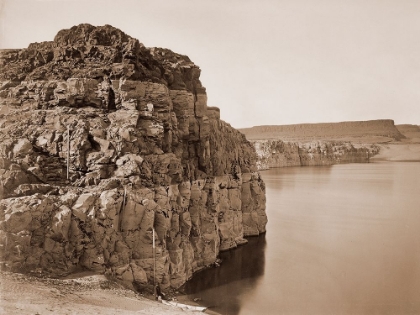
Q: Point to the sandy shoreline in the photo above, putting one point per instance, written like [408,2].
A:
[91,294]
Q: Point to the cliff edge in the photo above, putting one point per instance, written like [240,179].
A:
[370,131]
[145,153]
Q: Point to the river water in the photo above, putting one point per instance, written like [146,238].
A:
[343,239]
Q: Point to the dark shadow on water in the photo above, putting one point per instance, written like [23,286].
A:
[221,288]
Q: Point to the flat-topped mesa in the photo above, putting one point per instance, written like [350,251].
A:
[144,150]
[382,128]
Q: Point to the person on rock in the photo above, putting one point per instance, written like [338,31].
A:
[159,294]
[109,97]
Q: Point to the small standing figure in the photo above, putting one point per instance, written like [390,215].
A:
[159,294]
[109,96]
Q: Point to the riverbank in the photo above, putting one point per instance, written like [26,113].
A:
[277,153]
[84,294]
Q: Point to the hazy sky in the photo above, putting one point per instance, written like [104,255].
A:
[264,61]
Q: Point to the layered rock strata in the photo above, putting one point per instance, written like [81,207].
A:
[145,153]
[383,129]
[276,153]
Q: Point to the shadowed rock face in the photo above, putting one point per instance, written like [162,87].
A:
[145,152]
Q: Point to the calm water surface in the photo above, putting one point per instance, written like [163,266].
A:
[340,240]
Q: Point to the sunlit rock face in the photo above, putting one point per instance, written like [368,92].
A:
[277,153]
[145,153]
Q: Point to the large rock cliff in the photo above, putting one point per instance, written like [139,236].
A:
[144,153]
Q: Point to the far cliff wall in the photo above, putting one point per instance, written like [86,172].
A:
[276,153]
[325,131]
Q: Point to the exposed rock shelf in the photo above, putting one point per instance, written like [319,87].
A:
[145,152]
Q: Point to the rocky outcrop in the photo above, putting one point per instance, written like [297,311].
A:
[276,153]
[362,131]
[145,153]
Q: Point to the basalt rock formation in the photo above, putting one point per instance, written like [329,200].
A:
[145,153]
[276,153]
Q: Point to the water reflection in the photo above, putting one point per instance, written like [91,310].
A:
[222,288]
[340,240]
